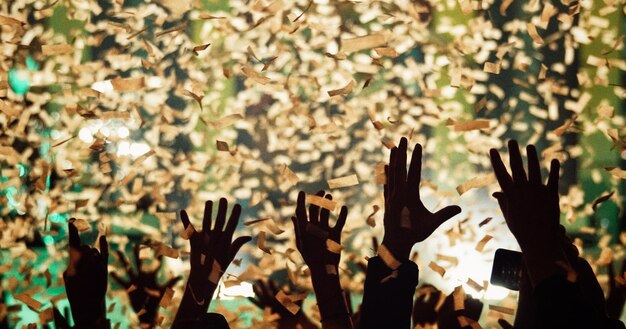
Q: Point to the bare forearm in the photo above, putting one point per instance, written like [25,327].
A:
[330,300]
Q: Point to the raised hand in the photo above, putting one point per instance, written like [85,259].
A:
[424,307]
[531,211]
[212,250]
[313,236]
[617,293]
[314,230]
[452,316]
[407,221]
[265,292]
[147,292]
[86,281]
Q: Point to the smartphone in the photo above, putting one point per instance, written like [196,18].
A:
[507,269]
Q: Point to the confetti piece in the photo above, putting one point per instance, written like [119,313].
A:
[492,68]
[602,199]
[344,90]
[321,202]
[616,172]
[261,243]
[345,181]
[370,219]
[502,309]
[216,272]
[433,266]
[476,182]
[364,42]
[481,244]
[471,125]
[128,85]
[254,75]
[333,246]
[49,50]
[286,301]
[532,31]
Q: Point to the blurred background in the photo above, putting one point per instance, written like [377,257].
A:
[123,112]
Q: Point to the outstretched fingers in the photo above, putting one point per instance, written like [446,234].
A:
[534,170]
[236,245]
[553,179]
[446,213]
[73,233]
[221,215]
[325,214]
[415,167]
[233,221]
[206,218]
[502,175]
[515,160]
[341,221]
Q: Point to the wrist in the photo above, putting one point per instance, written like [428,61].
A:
[398,250]
[546,261]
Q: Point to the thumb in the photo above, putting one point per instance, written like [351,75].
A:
[505,324]
[446,213]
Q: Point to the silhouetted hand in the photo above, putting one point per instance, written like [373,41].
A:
[86,281]
[424,307]
[147,292]
[617,293]
[265,292]
[407,221]
[313,230]
[212,250]
[449,316]
[531,211]
[313,236]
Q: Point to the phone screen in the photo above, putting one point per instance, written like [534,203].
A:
[507,269]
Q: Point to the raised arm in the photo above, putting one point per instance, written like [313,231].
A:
[212,250]
[313,235]
[391,277]
[531,211]
[86,283]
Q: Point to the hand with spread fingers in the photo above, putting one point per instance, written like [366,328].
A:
[212,250]
[265,297]
[147,292]
[531,211]
[407,221]
[313,231]
[314,238]
[86,281]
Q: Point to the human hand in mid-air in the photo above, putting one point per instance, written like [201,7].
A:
[265,297]
[319,245]
[425,305]
[313,231]
[85,282]
[531,211]
[407,221]
[212,250]
[147,292]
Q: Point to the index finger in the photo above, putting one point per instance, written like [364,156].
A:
[73,232]
[502,175]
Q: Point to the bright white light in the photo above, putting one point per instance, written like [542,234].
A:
[137,149]
[85,135]
[496,293]
[102,86]
[123,132]
[123,148]
[242,290]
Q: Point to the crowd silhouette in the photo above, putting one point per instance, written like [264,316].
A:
[557,288]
